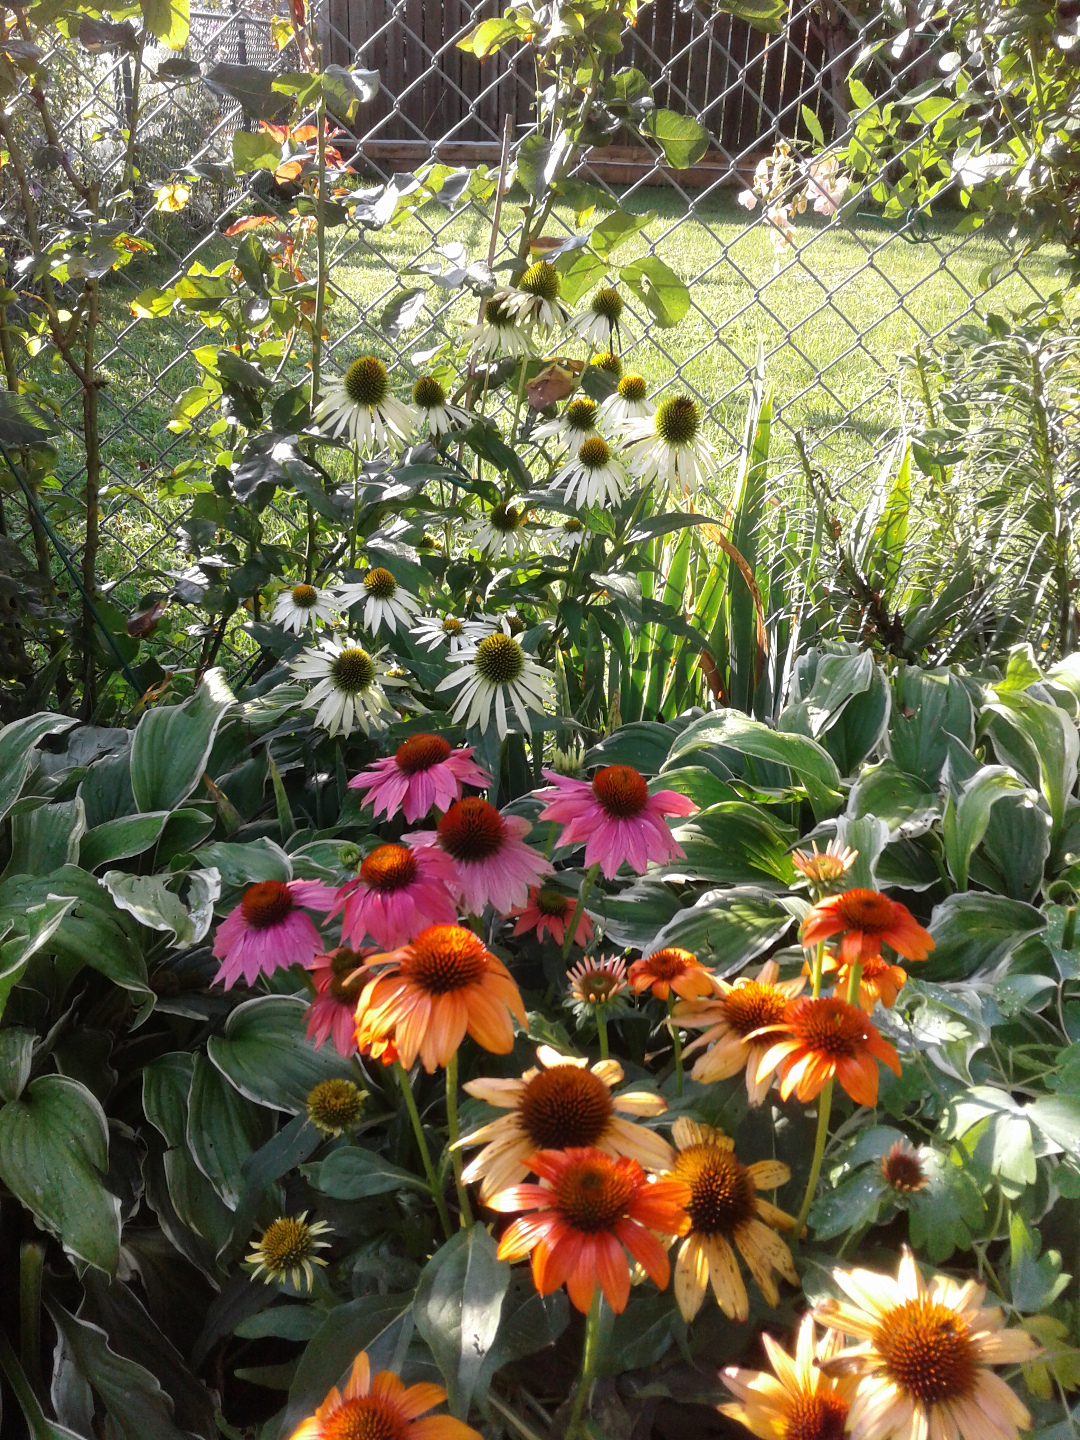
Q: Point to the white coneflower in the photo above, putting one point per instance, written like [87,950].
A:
[288,1249]
[570,535]
[302,606]
[594,477]
[494,671]
[437,416]
[385,601]
[629,402]
[432,632]
[348,686]
[576,423]
[360,404]
[500,531]
[670,447]
[600,321]
[534,300]
[496,333]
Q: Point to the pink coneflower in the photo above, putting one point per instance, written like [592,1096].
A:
[269,931]
[423,772]
[397,893]
[550,911]
[616,817]
[492,862]
[339,977]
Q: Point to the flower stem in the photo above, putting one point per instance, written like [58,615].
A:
[601,1032]
[579,908]
[588,1365]
[425,1153]
[819,960]
[676,1040]
[824,1111]
[455,1135]
[854,981]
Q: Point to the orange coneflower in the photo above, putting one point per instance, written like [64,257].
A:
[726,1215]
[923,1367]
[799,1401]
[564,1104]
[670,970]
[867,919]
[434,990]
[730,1018]
[589,1207]
[379,1407]
[820,1039]
[878,980]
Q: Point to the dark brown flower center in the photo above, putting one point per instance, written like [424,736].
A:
[621,790]
[903,1171]
[592,1194]
[722,1191]
[286,1243]
[866,910]
[928,1351]
[304,596]
[421,752]
[350,975]
[472,830]
[832,1027]
[670,964]
[552,902]
[266,904]
[366,381]
[389,868]
[444,958]
[564,1108]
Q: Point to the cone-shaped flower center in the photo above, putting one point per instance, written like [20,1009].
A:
[497,315]
[722,1191]
[380,583]
[286,1244]
[444,958]
[830,1026]
[353,670]
[608,303]
[541,280]
[499,659]
[820,1416]
[389,868]
[573,527]
[594,453]
[678,419]
[609,363]
[334,1106]
[506,519]
[621,790]
[472,830]
[421,752]
[366,381]
[368,1417]
[347,985]
[866,910]
[903,1171]
[671,963]
[581,414]
[597,983]
[565,1107]
[633,387]
[304,596]
[452,625]
[928,1351]
[428,393]
[266,904]
[592,1194]
[751,1005]
[552,902]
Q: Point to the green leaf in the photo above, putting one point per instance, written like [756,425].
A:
[172,743]
[347,90]
[250,85]
[767,15]
[122,838]
[17,743]
[1058,1117]
[401,312]
[382,1325]
[258,151]
[642,1334]
[54,1151]
[529,1322]
[166,1083]
[243,865]
[730,927]
[1021,671]
[659,288]
[609,233]
[353,1173]
[1035,1281]
[24,423]
[16,1056]
[813,124]
[223,1130]
[21,938]
[169,20]
[153,904]
[265,1053]
[852,1204]
[967,816]
[973,931]
[928,707]
[457,1310]
[1022,726]
[46,837]
[683,139]
[733,843]
[947,1214]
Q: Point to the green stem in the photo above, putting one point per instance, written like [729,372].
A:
[425,1153]
[824,1111]
[31,1263]
[854,981]
[819,960]
[1069,933]
[579,909]
[601,1032]
[454,1127]
[676,1040]
[574,1428]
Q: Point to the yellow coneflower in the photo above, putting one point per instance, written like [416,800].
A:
[798,1401]
[287,1249]
[725,1211]
[923,1364]
[822,868]
[562,1104]
[729,1018]
[334,1106]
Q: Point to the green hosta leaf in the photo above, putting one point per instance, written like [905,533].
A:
[153,904]
[353,1173]
[887,793]
[974,931]
[968,814]
[223,1130]
[16,1055]
[21,936]
[54,1151]
[266,1054]
[166,1083]
[242,865]
[733,844]
[17,743]
[928,707]
[683,139]
[659,288]
[644,744]
[728,928]
[1023,727]
[172,743]
[457,1310]
[122,838]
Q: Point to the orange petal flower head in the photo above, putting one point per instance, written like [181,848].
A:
[670,970]
[734,1021]
[380,1407]
[822,1039]
[867,920]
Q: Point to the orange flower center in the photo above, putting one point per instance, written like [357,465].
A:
[565,1108]
[389,868]
[304,596]
[621,790]
[866,910]
[928,1351]
[421,752]
[670,964]
[266,904]
[816,1417]
[722,1191]
[346,985]
[903,1170]
[751,1005]
[366,1418]
[444,958]
[832,1027]
[592,1194]
[472,830]
[550,902]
